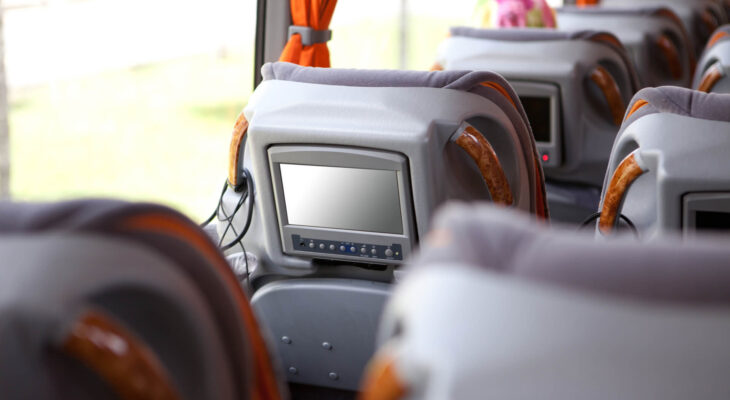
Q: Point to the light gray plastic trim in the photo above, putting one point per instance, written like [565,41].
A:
[323,329]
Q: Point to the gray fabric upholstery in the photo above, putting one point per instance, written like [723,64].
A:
[76,215]
[519,34]
[457,80]
[467,81]
[539,34]
[500,240]
[638,10]
[106,219]
[680,101]
[524,34]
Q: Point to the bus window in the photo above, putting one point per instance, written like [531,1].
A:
[398,34]
[393,34]
[129,99]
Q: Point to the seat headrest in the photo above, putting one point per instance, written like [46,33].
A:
[76,215]
[176,238]
[487,237]
[539,35]
[535,35]
[456,80]
[483,83]
[680,101]
[640,10]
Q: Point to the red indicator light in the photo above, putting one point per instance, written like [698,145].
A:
[545,157]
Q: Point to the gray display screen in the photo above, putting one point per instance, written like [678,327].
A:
[342,198]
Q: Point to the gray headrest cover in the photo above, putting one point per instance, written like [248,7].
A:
[522,34]
[541,34]
[77,215]
[456,80]
[680,101]
[467,81]
[488,237]
[638,11]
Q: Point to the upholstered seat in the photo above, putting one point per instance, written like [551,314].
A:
[495,306]
[714,66]
[700,18]
[102,298]
[669,164]
[340,119]
[576,98]
[655,38]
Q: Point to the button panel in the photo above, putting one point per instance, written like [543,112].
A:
[352,249]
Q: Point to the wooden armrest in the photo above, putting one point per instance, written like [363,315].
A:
[626,173]
[234,153]
[119,358]
[601,77]
[713,74]
[479,149]
[381,381]
[671,56]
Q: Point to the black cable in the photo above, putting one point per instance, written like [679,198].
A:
[229,218]
[597,214]
[215,212]
[220,208]
[249,214]
[590,219]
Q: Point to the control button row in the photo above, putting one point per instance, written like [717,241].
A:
[352,249]
[355,248]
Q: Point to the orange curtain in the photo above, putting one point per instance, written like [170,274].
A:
[316,14]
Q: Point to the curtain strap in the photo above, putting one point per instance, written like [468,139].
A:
[309,35]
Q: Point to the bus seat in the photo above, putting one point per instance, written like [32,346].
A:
[575,99]
[668,168]
[103,299]
[495,306]
[701,17]
[312,134]
[714,66]
[725,6]
[654,37]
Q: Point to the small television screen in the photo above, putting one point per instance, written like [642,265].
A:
[342,198]
[538,112]
[712,220]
